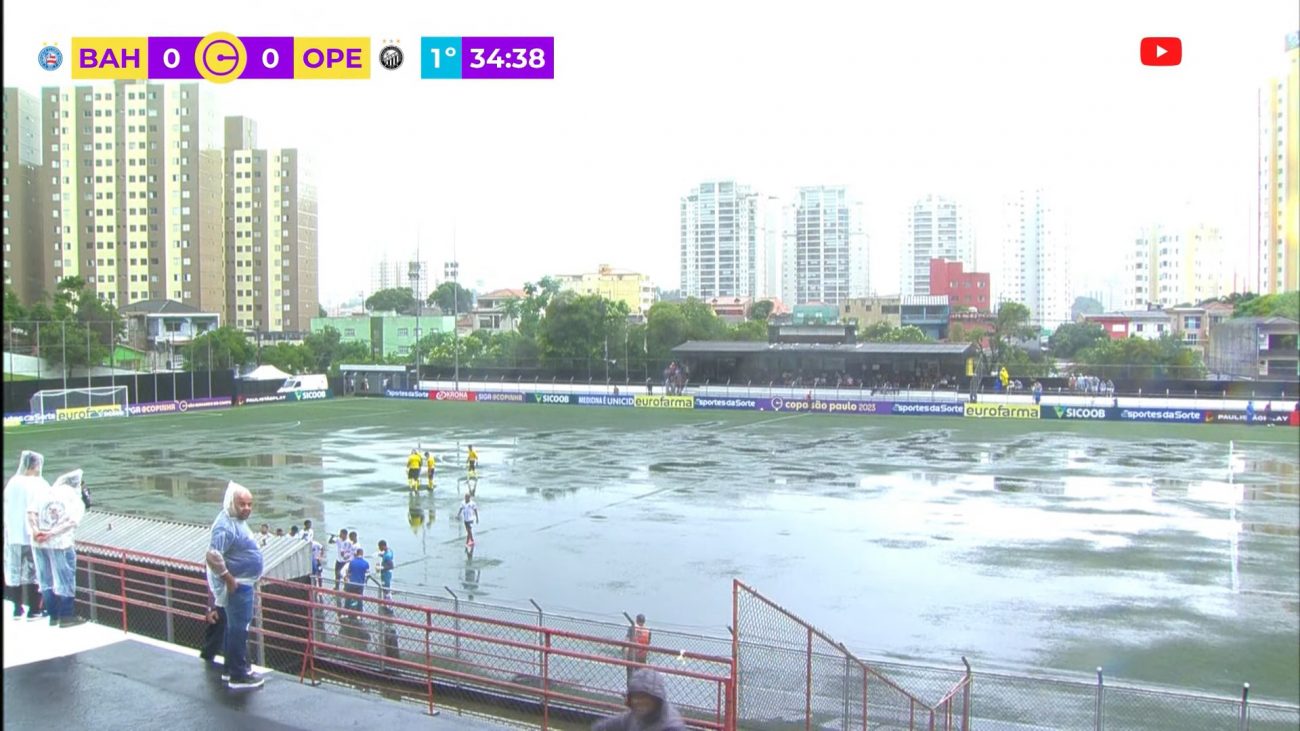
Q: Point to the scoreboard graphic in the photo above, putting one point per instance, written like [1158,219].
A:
[224,57]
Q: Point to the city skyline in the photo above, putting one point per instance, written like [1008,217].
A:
[530,178]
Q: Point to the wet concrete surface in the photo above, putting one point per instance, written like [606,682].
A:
[139,687]
[1146,550]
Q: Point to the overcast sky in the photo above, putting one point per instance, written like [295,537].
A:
[968,99]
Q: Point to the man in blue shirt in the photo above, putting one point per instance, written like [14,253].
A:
[357,569]
[234,566]
[386,569]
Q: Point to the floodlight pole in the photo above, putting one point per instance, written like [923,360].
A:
[452,269]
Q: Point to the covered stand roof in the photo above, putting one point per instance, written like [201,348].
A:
[753,347]
[180,545]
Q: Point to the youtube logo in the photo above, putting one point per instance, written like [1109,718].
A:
[1163,51]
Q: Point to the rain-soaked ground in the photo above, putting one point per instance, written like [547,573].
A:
[1050,546]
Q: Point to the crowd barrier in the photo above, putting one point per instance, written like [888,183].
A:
[154,408]
[876,407]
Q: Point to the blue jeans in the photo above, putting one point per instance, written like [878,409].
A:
[56,573]
[239,615]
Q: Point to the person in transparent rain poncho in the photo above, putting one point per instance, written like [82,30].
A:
[20,562]
[53,514]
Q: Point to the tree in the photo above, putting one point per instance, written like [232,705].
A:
[1166,357]
[227,347]
[761,310]
[1072,337]
[883,332]
[79,329]
[320,311]
[752,330]
[13,306]
[1286,304]
[669,324]
[577,328]
[1012,325]
[397,299]
[451,297]
[1085,306]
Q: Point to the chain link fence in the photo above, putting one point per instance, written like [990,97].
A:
[530,664]
[790,674]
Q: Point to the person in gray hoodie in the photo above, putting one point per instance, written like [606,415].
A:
[649,709]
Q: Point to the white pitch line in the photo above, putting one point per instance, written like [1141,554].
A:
[763,421]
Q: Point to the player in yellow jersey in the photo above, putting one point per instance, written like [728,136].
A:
[471,460]
[430,464]
[413,471]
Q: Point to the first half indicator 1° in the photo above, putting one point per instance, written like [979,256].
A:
[440,57]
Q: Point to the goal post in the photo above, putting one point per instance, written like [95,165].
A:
[100,400]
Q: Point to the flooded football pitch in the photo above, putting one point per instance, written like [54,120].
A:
[1162,553]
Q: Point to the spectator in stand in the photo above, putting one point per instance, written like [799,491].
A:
[357,569]
[264,535]
[346,553]
[648,707]
[386,569]
[235,564]
[307,533]
[53,515]
[20,562]
[317,561]
[1038,392]
[639,634]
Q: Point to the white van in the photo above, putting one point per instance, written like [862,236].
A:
[313,382]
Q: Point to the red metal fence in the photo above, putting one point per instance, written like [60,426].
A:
[406,650]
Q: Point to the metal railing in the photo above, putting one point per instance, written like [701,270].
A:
[773,648]
[542,666]
[406,650]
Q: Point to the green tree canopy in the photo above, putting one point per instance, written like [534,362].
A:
[1072,337]
[451,297]
[224,347]
[761,310]
[1286,304]
[883,332]
[1012,325]
[577,327]
[1166,357]
[397,299]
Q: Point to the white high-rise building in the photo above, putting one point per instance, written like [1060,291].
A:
[1171,265]
[396,273]
[938,228]
[1035,258]
[726,241]
[769,260]
[825,253]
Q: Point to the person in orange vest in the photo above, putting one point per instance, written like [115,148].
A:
[640,635]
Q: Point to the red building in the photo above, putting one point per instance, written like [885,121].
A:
[964,289]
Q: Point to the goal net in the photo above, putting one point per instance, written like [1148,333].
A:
[101,401]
